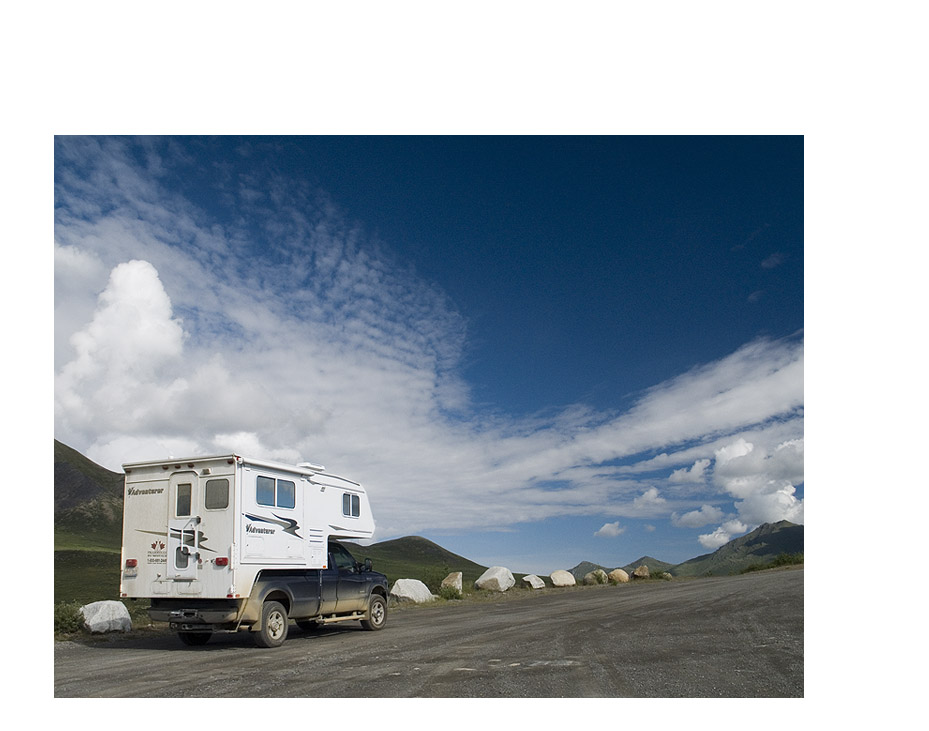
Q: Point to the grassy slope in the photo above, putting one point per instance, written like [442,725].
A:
[88,503]
[760,546]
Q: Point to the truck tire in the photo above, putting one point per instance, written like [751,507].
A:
[194,639]
[377,613]
[274,622]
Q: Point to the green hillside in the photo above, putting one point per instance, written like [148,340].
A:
[761,546]
[88,503]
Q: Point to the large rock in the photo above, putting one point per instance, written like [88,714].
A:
[618,576]
[597,576]
[641,572]
[562,578]
[411,590]
[453,580]
[496,578]
[106,616]
[534,581]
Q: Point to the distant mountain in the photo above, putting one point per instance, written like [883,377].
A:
[654,565]
[88,502]
[760,546]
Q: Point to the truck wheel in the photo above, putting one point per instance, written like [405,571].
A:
[377,613]
[194,639]
[273,630]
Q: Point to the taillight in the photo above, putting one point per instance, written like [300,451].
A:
[131,563]
[222,561]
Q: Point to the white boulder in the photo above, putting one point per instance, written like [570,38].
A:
[618,576]
[562,578]
[453,580]
[106,616]
[411,590]
[496,578]
[597,576]
[534,581]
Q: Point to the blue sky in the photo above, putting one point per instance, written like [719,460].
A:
[532,350]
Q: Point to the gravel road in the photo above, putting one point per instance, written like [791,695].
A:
[739,636]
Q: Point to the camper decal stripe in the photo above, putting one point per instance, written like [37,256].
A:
[187,536]
[176,534]
[289,526]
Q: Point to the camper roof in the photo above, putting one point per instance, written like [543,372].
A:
[304,468]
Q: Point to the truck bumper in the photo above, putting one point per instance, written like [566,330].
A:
[200,614]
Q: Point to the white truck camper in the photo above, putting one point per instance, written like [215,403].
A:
[226,543]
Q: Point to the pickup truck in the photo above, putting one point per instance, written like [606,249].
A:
[345,590]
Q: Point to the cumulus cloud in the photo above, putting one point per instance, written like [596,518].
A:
[696,473]
[723,534]
[698,518]
[610,530]
[762,479]
[649,502]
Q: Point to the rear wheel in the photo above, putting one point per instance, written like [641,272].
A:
[273,630]
[377,613]
[194,639]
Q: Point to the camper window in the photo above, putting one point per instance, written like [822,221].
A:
[183,500]
[266,491]
[217,494]
[351,505]
[282,493]
[286,494]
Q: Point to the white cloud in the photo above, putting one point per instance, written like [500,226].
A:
[649,502]
[696,473]
[610,530]
[698,518]
[722,535]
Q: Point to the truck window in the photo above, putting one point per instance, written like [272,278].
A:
[217,494]
[183,500]
[341,557]
[351,505]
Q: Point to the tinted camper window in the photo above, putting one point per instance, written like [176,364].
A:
[265,491]
[217,494]
[286,494]
[183,500]
[351,505]
[280,493]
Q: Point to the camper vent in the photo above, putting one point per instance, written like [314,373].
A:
[311,466]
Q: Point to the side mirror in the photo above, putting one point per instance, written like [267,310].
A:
[367,564]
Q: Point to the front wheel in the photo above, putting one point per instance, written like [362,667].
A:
[377,613]
[273,630]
